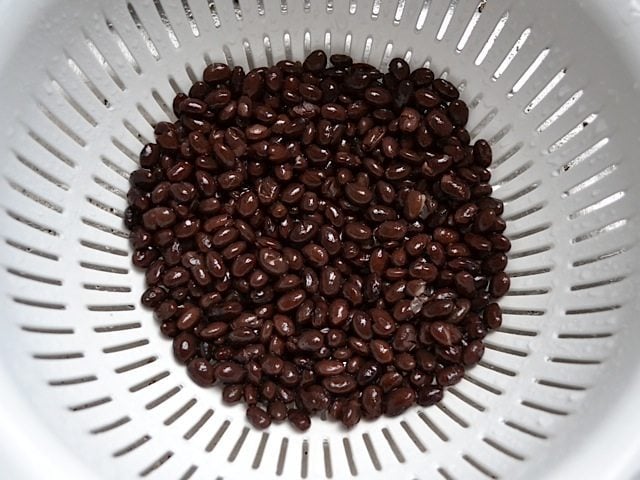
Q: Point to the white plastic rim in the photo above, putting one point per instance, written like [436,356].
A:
[90,388]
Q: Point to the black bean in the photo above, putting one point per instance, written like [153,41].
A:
[398,400]
[399,68]
[450,375]
[446,89]
[381,351]
[299,419]
[201,372]
[341,384]
[291,300]
[315,62]
[427,98]
[216,73]
[391,230]
[258,417]
[429,395]
[493,315]
[185,346]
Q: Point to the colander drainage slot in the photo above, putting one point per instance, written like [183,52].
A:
[478,466]
[157,464]
[136,364]
[91,404]
[257,460]
[413,436]
[162,398]
[132,446]
[111,426]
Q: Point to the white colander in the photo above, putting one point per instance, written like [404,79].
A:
[90,389]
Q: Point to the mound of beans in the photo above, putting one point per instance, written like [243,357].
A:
[320,237]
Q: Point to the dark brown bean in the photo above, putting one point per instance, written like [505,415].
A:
[413,204]
[398,400]
[314,398]
[445,89]
[445,333]
[391,230]
[357,231]
[473,352]
[201,372]
[185,347]
[216,73]
[258,417]
[378,96]
[417,244]
[352,291]
[230,180]
[175,277]
[499,285]
[439,123]
[351,414]
[243,264]
[437,308]
[482,153]
[372,401]
[316,255]
[330,239]
[455,187]
[495,263]
[405,338]
[225,236]
[293,258]
[189,318]
[362,325]
[315,62]
[390,380]
[283,325]
[311,341]
[493,315]
[272,365]
[272,261]
[382,323]
[373,138]
[427,98]
[291,300]
[399,68]
[247,204]
[333,112]
[341,384]
[465,284]
[299,419]
[338,313]
[303,231]
[381,351]
[450,375]
[358,194]
[232,393]
[429,395]
[214,330]
[277,410]
[287,282]
[458,112]
[327,368]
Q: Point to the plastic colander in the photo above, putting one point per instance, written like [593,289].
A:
[90,388]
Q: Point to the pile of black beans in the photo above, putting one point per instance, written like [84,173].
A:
[320,237]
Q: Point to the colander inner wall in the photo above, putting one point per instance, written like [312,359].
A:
[83,83]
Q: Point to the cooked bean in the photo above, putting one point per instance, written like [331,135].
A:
[398,400]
